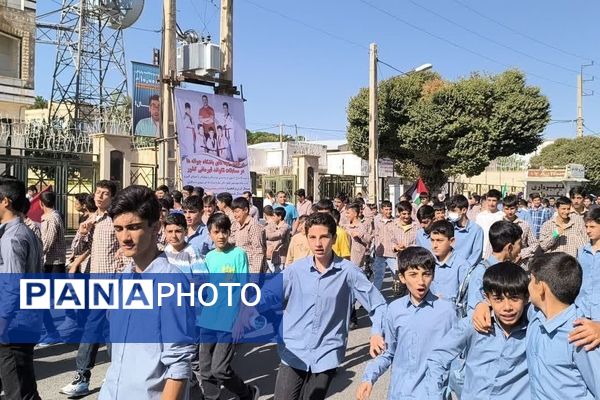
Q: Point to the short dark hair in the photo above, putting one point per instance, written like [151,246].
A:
[14,190]
[153,97]
[439,206]
[268,210]
[404,206]
[495,193]
[561,272]
[424,195]
[187,105]
[323,219]
[209,201]
[475,197]
[241,203]
[577,190]
[90,203]
[523,203]
[534,196]
[188,188]
[219,221]
[425,212]
[163,188]
[177,196]
[444,228]
[386,203]
[459,201]
[80,198]
[225,197]
[354,206]
[506,279]
[176,219]
[503,233]
[32,188]
[110,185]
[415,257]
[199,190]
[249,193]
[164,203]
[336,215]
[136,199]
[48,199]
[168,202]
[324,205]
[510,201]
[192,203]
[26,206]
[563,201]
[592,215]
[279,211]
[342,196]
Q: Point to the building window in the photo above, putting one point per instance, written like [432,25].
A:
[10,56]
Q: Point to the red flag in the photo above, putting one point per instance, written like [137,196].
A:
[35,210]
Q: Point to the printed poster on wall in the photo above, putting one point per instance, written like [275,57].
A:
[212,142]
[146,99]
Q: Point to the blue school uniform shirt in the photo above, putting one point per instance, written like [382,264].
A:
[317,312]
[588,300]
[448,276]
[475,291]
[557,369]
[291,214]
[201,240]
[469,242]
[423,239]
[411,331]
[495,364]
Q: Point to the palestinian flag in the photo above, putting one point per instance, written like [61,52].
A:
[415,189]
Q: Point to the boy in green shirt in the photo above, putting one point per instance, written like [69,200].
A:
[226,263]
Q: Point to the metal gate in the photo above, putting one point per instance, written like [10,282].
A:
[331,185]
[68,174]
[284,183]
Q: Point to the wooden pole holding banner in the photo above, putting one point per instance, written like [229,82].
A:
[373,139]
[167,69]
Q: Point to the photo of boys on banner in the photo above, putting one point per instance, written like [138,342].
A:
[212,141]
[146,100]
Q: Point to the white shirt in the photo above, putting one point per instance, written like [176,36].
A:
[485,220]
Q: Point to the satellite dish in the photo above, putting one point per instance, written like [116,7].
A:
[122,13]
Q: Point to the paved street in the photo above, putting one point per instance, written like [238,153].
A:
[55,365]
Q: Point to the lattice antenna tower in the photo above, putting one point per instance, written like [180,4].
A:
[89,88]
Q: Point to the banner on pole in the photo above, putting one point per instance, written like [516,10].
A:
[146,99]
[212,142]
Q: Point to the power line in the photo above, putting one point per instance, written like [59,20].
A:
[591,131]
[491,40]
[314,28]
[390,66]
[515,31]
[146,29]
[459,46]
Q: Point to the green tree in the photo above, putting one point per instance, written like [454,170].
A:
[446,128]
[39,103]
[262,137]
[585,150]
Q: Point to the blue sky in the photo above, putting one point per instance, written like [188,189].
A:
[300,62]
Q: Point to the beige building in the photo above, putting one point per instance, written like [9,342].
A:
[17,55]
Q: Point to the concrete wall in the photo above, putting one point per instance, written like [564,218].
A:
[15,93]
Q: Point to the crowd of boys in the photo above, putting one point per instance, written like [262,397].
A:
[495,296]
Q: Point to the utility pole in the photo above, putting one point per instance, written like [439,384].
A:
[226,87]
[373,137]
[168,69]
[580,94]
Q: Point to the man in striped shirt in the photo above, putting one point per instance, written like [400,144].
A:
[539,214]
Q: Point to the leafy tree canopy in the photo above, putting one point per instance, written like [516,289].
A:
[446,128]
[39,103]
[262,137]
[585,150]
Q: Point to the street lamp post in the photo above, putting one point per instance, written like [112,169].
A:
[373,133]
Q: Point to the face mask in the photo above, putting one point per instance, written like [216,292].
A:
[453,217]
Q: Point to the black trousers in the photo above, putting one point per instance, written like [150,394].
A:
[16,372]
[214,359]
[295,384]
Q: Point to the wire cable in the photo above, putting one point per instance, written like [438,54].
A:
[491,40]
[459,46]
[526,36]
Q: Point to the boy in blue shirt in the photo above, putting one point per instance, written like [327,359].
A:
[587,332]
[495,363]
[412,325]
[425,216]
[217,348]
[450,268]
[469,236]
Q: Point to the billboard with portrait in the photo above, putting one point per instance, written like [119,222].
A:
[146,100]
[212,142]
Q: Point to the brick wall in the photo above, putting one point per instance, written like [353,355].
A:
[21,24]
